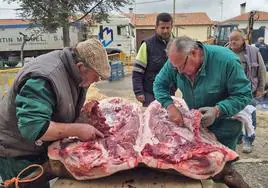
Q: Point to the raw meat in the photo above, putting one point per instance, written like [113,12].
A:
[119,120]
[133,137]
[184,149]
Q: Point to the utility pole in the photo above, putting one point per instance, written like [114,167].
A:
[174,17]
[221,3]
[174,10]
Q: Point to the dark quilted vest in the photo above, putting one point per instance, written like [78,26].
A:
[156,58]
[58,68]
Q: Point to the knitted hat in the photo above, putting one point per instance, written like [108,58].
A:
[94,54]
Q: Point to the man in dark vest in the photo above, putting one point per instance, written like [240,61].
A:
[150,59]
[263,48]
[44,102]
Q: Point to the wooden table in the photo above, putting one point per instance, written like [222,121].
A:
[137,178]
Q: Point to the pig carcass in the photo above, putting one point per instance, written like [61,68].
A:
[133,137]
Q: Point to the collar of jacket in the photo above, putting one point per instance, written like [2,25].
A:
[202,69]
[162,40]
[243,48]
[68,62]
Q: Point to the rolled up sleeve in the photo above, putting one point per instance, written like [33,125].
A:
[34,107]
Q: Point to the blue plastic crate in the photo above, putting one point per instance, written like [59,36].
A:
[121,73]
[117,70]
[112,78]
[114,74]
[116,66]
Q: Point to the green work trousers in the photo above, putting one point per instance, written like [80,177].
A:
[227,132]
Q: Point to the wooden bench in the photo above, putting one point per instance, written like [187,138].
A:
[137,178]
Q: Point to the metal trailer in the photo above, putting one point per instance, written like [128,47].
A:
[41,42]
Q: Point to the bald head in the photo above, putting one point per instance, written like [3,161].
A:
[238,33]
[236,40]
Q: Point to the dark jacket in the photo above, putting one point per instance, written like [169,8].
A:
[144,73]
[263,48]
[156,58]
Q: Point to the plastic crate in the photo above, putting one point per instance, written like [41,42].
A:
[115,66]
[113,78]
[117,70]
[121,72]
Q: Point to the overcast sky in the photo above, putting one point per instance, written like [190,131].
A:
[230,9]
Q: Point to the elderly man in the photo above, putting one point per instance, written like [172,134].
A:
[211,79]
[44,102]
[150,59]
[253,65]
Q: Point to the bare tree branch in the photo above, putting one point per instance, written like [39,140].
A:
[25,40]
[54,14]
[88,11]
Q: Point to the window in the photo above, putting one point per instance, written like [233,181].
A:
[224,33]
[122,30]
[118,30]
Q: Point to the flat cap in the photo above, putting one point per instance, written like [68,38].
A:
[95,55]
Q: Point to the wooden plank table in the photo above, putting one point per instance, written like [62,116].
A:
[135,178]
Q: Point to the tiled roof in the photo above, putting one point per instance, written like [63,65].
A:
[21,21]
[13,21]
[216,22]
[195,18]
[262,16]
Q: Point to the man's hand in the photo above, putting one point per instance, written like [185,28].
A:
[259,94]
[140,98]
[87,132]
[175,115]
[209,115]
[58,131]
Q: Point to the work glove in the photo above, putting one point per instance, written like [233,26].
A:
[209,115]
[175,115]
